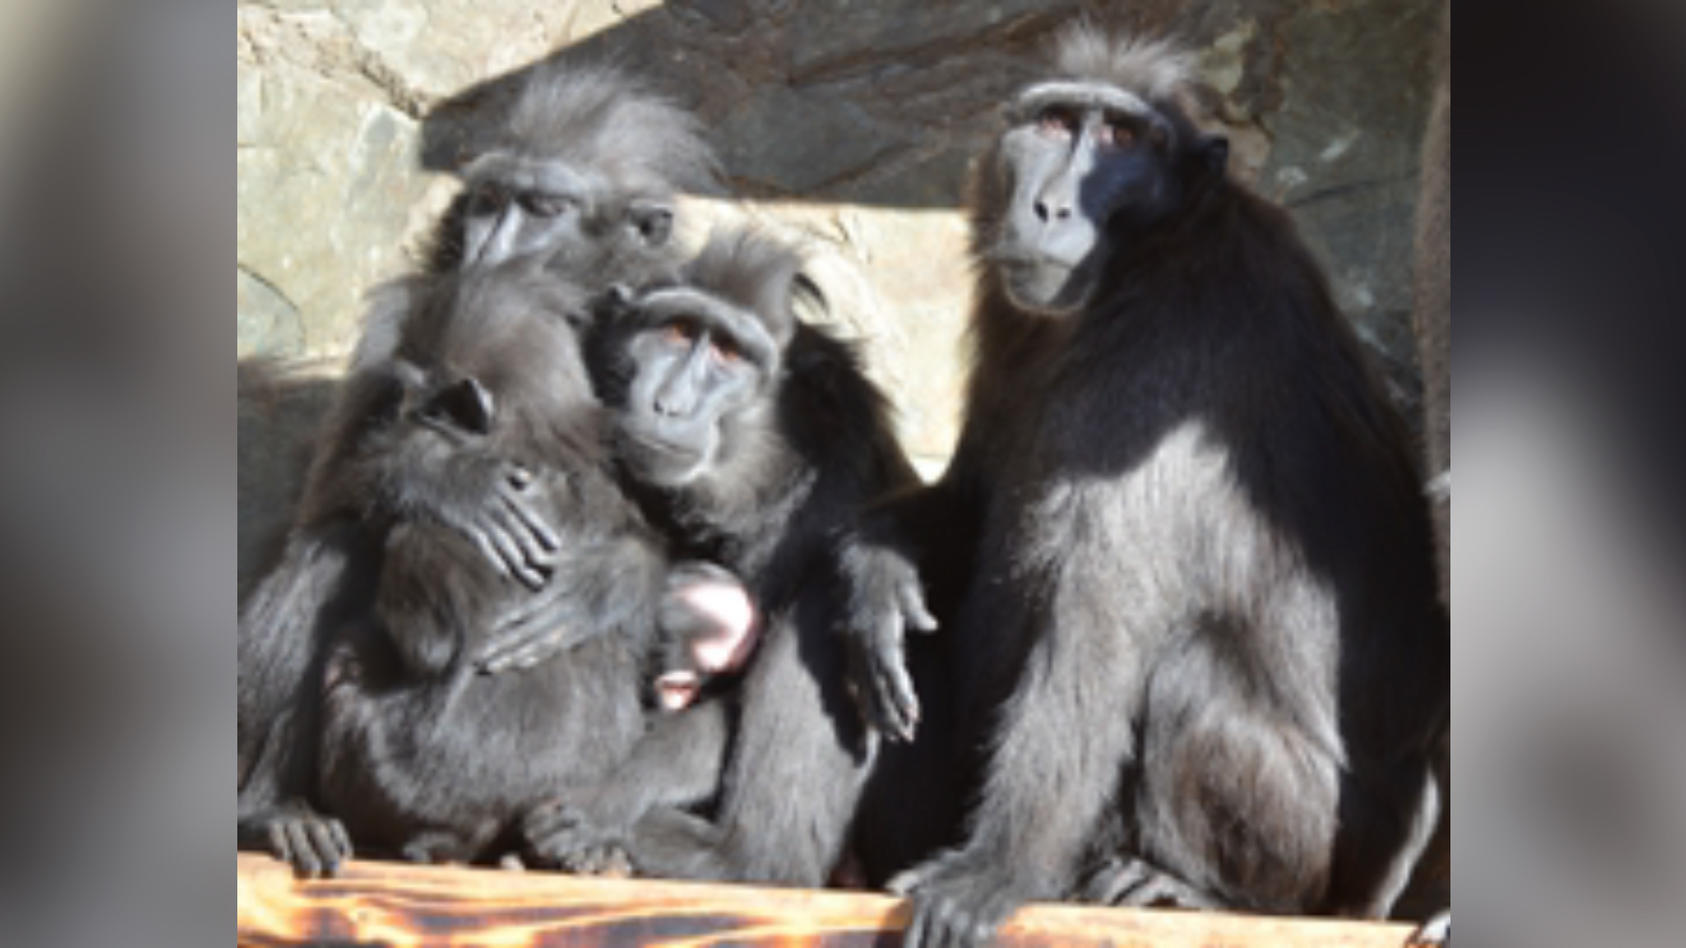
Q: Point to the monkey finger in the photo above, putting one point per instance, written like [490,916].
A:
[327,847]
[306,864]
[535,650]
[535,556]
[532,522]
[279,847]
[924,930]
[522,650]
[484,542]
[548,819]
[912,600]
[896,706]
[509,552]
[896,685]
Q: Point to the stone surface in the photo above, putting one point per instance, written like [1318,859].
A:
[847,125]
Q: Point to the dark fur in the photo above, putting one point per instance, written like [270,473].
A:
[431,758]
[796,464]
[1184,544]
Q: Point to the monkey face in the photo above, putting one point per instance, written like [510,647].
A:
[1084,170]
[690,370]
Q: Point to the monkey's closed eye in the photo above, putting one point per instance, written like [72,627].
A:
[1116,135]
[545,205]
[1056,121]
[725,352]
[679,332]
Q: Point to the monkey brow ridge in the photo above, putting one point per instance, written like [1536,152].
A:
[746,330]
[1081,94]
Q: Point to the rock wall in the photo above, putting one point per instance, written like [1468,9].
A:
[847,126]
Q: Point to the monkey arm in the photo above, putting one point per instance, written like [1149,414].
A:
[610,585]
[889,577]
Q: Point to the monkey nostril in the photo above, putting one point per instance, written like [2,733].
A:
[1062,213]
[1041,210]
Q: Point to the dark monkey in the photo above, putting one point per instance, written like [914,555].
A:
[419,752]
[749,437]
[1199,657]
[603,232]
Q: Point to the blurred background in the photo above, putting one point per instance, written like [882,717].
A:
[122,450]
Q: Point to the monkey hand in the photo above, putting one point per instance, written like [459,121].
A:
[537,628]
[959,900]
[504,520]
[313,843]
[885,599]
[560,835]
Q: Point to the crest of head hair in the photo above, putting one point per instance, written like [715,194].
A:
[1156,69]
[747,268]
[600,116]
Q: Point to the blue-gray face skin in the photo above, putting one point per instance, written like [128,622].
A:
[1084,166]
[696,365]
[518,207]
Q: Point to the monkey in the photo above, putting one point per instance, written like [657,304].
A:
[1181,547]
[748,437]
[419,753]
[610,231]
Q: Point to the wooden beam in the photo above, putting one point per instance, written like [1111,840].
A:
[401,904]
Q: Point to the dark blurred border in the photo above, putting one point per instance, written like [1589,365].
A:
[1569,291]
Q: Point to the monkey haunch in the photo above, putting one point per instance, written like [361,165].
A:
[1181,548]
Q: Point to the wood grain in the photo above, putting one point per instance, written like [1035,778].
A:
[401,904]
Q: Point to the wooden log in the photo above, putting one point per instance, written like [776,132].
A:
[401,904]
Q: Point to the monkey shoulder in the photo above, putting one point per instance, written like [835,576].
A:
[836,417]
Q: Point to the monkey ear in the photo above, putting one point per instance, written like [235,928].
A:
[654,221]
[467,404]
[1214,149]
[805,290]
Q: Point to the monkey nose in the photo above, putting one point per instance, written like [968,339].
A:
[1057,211]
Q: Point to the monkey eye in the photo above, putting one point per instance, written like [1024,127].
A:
[680,332]
[1116,134]
[1056,121]
[540,204]
[725,353]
